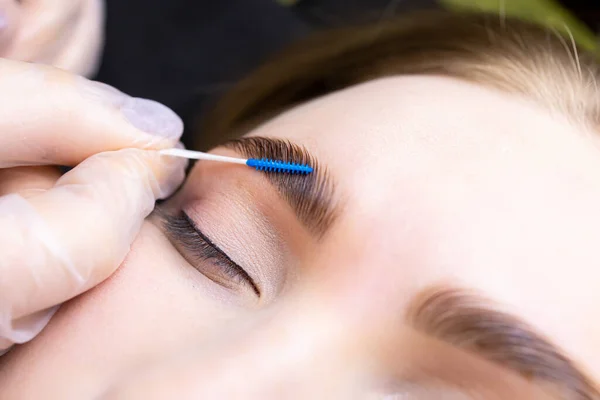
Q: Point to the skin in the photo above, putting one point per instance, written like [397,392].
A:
[494,194]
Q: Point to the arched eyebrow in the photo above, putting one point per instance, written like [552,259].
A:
[312,196]
[469,322]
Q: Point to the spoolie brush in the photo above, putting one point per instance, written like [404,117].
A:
[264,164]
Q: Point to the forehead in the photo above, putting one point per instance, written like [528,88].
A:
[447,181]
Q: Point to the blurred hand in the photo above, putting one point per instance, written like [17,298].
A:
[61,235]
[64,33]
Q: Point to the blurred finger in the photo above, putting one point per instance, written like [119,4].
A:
[81,53]
[10,16]
[44,26]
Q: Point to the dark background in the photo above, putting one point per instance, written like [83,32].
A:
[185,53]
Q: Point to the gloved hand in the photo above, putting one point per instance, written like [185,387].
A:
[61,235]
[65,33]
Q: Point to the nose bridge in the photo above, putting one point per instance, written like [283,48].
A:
[313,346]
[360,272]
[325,341]
[361,285]
[346,314]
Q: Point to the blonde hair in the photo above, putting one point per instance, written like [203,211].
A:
[507,54]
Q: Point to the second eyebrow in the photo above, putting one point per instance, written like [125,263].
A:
[311,196]
[461,318]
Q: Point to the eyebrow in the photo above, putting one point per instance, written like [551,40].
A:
[469,322]
[310,196]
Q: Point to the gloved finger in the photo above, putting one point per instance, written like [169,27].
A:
[60,243]
[21,330]
[65,33]
[81,54]
[27,181]
[44,25]
[9,22]
[49,116]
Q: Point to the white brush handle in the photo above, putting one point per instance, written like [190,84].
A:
[198,155]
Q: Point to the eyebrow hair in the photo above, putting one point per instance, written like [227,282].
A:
[310,196]
[465,320]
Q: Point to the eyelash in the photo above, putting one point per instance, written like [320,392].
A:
[182,230]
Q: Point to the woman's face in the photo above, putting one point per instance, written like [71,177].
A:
[445,244]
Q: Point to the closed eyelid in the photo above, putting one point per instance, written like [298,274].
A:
[311,196]
[183,229]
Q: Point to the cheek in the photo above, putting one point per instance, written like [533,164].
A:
[152,306]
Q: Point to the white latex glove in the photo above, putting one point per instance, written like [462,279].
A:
[65,33]
[60,236]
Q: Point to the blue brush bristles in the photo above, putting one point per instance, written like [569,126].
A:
[266,164]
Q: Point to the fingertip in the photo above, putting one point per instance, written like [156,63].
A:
[163,174]
[174,175]
[156,125]
[70,118]
[152,117]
